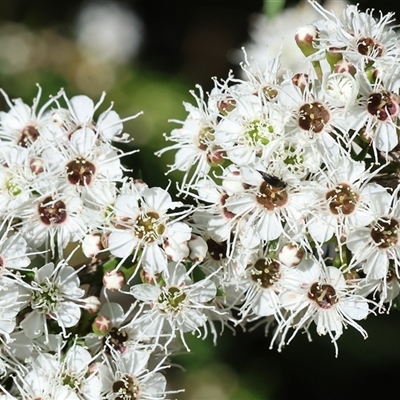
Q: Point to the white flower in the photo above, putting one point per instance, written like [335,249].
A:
[377,245]
[55,216]
[264,208]
[344,195]
[176,303]
[252,131]
[142,222]
[22,125]
[320,294]
[54,293]
[64,377]
[195,142]
[129,377]
[12,300]
[360,37]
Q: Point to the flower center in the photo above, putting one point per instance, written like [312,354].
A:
[52,212]
[125,388]
[28,135]
[13,188]
[383,105]
[367,46]
[80,172]
[117,339]
[313,117]
[206,137]
[148,227]
[171,299]
[265,272]
[217,250]
[324,295]
[342,199]
[271,197]
[385,233]
[259,132]
[46,298]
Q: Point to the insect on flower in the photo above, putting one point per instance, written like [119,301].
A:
[272,180]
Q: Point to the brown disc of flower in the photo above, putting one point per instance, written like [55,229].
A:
[313,117]
[226,106]
[324,295]
[271,197]
[265,272]
[342,199]
[80,171]
[52,212]
[367,46]
[125,388]
[28,135]
[217,250]
[385,233]
[383,105]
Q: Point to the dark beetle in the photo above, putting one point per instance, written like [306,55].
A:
[272,180]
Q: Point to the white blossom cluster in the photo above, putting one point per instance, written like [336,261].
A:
[294,178]
[63,186]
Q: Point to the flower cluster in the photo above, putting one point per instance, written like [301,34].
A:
[296,180]
[63,187]
[294,222]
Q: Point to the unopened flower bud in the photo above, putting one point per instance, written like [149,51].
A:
[305,38]
[290,255]
[36,166]
[101,325]
[148,278]
[301,81]
[92,304]
[92,245]
[113,280]
[197,248]
[333,56]
[344,66]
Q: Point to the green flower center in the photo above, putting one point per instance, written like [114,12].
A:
[149,227]
[259,132]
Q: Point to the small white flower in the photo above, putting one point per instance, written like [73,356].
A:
[129,377]
[54,293]
[176,303]
[320,294]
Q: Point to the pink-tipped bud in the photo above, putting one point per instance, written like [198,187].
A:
[344,66]
[197,248]
[305,38]
[36,166]
[301,81]
[149,278]
[113,280]
[92,304]
[290,255]
[101,325]
[92,245]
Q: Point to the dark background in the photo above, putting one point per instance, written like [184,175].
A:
[186,43]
